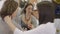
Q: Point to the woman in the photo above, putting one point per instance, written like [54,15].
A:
[46,9]
[10,8]
[27,19]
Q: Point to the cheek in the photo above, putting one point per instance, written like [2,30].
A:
[16,12]
[27,11]
[30,11]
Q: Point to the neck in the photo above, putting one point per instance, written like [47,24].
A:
[28,17]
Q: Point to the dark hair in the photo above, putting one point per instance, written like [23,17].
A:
[26,7]
[8,8]
[46,12]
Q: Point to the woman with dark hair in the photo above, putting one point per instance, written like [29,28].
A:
[27,19]
[46,12]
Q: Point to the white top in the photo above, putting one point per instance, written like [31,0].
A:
[57,23]
[48,28]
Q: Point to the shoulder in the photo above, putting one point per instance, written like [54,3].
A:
[33,18]
[50,24]
[47,28]
[34,21]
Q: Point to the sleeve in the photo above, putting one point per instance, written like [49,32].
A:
[17,22]
[17,31]
[43,29]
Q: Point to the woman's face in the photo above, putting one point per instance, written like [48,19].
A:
[28,11]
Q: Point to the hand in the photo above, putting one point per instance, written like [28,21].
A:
[9,22]
[7,19]
[30,26]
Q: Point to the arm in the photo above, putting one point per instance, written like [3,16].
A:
[7,19]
